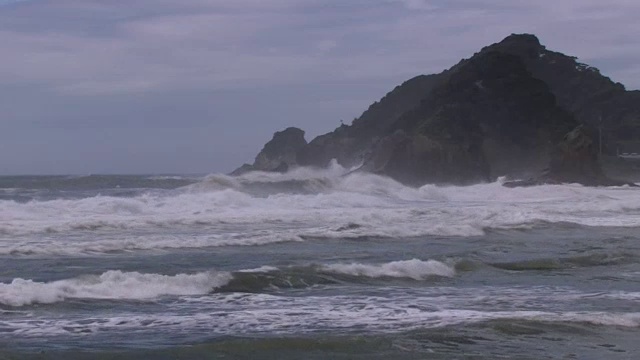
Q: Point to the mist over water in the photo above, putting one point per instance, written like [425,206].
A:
[326,259]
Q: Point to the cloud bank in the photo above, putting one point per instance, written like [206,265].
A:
[105,64]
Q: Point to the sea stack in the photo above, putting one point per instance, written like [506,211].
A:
[514,109]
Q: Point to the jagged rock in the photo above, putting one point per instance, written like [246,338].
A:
[575,160]
[279,154]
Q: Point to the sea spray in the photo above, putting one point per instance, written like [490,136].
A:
[342,205]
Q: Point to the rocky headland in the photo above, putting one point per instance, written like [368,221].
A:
[514,109]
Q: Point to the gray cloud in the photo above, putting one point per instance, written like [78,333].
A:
[196,67]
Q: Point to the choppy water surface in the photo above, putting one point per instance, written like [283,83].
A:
[315,264]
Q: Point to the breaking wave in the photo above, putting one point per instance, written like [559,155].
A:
[412,269]
[268,277]
[262,208]
[113,285]
[119,285]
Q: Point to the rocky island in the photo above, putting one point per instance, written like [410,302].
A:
[514,109]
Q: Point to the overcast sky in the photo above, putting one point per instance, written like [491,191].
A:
[198,86]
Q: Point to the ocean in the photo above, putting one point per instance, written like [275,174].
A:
[315,264]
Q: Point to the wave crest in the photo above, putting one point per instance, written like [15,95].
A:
[305,203]
[114,284]
[412,269]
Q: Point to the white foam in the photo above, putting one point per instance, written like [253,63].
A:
[251,314]
[101,244]
[261,269]
[110,285]
[217,212]
[332,173]
[412,269]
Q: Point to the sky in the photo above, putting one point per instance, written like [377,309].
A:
[198,86]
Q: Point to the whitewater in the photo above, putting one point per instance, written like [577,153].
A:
[262,208]
[349,264]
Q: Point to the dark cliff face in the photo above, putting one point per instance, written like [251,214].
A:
[591,97]
[504,112]
[574,84]
[573,160]
[381,116]
[348,144]
[488,118]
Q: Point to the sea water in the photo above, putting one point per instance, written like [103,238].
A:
[315,264]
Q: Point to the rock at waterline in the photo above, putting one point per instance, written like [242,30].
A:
[575,160]
[279,154]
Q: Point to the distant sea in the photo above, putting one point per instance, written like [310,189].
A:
[315,264]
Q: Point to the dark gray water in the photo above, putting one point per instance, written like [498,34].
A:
[315,265]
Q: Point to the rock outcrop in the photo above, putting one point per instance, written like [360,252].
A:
[513,109]
[279,154]
[574,160]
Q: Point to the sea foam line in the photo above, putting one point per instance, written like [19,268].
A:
[263,314]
